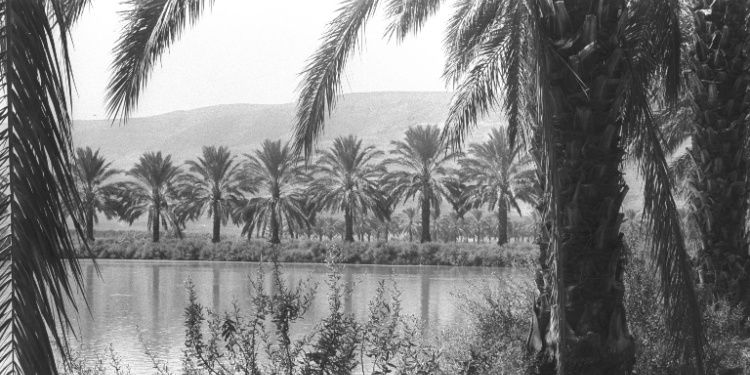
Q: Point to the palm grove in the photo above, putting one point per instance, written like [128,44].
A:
[271,191]
[579,81]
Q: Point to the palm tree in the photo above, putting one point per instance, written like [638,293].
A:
[39,204]
[155,194]
[90,172]
[718,180]
[498,178]
[574,81]
[421,173]
[412,224]
[279,176]
[214,185]
[347,180]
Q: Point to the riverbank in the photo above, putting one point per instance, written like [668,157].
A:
[129,245]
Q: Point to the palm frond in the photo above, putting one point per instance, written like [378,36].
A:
[321,79]
[151,26]
[408,16]
[686,336]
[38,267]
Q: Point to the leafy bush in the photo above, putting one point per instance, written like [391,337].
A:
[130,245]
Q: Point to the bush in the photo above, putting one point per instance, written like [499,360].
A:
[130,245]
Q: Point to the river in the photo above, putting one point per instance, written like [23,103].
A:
[137,303]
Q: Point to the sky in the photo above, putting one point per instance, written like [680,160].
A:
[244,51]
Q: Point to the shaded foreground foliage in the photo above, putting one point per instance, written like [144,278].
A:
[264,340]
[138,246]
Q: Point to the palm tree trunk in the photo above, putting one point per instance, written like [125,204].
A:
[90,224]
[502,222]
[274,227]
[425,220]
[157,221]
[349,224]
[217,222]
[386,232]
[587,262]
[719,202]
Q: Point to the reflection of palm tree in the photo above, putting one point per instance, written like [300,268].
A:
[279,175]
[422,175]
[91,172]
[346,181]
[154,193]
[214,186]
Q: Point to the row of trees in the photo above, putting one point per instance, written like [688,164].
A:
[273,190]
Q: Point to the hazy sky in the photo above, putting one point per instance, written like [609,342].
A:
[246,51]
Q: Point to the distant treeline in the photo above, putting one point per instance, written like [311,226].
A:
[134,245]
[274,193]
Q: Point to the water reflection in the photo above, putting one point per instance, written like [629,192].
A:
[151,295]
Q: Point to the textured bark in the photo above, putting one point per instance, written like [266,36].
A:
[502,222]
[217,222]
[425,220]
[587,262]
[718,200]
[157,220]
[349,226]
[274,228]
[90,224]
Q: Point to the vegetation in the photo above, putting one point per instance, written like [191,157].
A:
[214,186]
[155,194]
[498,178]
[348,182]
[422,159]
[91,171]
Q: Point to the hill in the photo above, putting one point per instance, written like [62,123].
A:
[378,118]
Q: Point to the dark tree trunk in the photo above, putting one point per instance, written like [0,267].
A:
[217,222]
[386,232]
[349,225]
[502,222]
[586,264]
[718,204]
[274,228]
[90,225]
[157,221]
[425,220]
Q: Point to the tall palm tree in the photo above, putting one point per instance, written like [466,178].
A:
[412,222]
[214,185]
[38,266]
[279,176]
[422,174]
[575,81]
[155,193]
[718,182]
[498,177]
[347,180]
[91,172]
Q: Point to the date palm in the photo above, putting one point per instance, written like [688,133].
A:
[347,180]
[91,172]
[155,193]
[412,222]
[421,172]
[717,180]
[279,176]
[498,177]
[214,186]
[40,205]
[575,83]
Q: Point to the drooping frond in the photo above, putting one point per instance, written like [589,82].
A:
[74,10]
[38,266]
[151,26]
[321,79]
[668,250]
[470,24]
[408,16]
[679,170]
